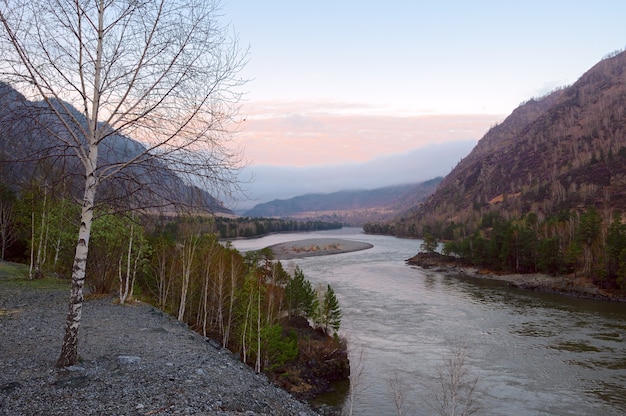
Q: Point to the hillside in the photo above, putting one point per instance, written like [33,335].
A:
[352,207]
[565,151]
[135,360]
[33,148]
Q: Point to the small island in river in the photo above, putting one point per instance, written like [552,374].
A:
[316,247]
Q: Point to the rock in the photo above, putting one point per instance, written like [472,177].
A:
[9,387]
[72,382]
[128,359]
[214,344]
[432,259]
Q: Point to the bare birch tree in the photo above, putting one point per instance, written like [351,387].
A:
[358,386]
[7,219]
[397,389]
[163,72]
[188,253]
[235,271]
[454,392]
[135,256]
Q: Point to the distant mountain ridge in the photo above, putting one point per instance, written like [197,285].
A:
[29,149]
[352,207]
[564,151]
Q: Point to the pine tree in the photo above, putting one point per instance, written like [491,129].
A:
[430,243]
[301,299]
[330,314]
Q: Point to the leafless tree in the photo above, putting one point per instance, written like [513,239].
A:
[358,384]
[454,392]
[7,228]
[133,257]
[163,72]
[397,388]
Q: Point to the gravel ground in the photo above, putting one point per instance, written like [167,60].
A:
[135,360]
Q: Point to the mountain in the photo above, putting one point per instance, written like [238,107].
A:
[34,144]
[559,153]
[351,207]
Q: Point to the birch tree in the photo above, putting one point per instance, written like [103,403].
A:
[163,72]
[455,390]
[7,219]
[135,258]
[188,254]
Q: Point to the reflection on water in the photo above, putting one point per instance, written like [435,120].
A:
[335,397]
[534,353]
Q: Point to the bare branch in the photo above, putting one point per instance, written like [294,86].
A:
[162,72]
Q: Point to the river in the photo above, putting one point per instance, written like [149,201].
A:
[532,353]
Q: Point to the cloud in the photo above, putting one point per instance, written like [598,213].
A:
[333,133]
[283,182]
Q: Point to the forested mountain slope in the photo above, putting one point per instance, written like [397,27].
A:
[33,153]
[563,152]
[352,207]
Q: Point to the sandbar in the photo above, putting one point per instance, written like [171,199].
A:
[316,247]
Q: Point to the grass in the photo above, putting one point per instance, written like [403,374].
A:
[10,270]
[16,275]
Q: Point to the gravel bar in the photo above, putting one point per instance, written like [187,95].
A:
[316,247]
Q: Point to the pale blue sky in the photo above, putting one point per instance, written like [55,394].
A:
[423,56]
[340,85]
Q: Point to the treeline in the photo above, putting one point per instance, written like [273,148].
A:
[250,304]
[591,242]
[247,227]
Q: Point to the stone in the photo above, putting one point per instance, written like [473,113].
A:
[72,382]
[9,387]
[128,359]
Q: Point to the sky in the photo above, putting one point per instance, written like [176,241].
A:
[349,94]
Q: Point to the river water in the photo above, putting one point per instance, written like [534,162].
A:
[532,353]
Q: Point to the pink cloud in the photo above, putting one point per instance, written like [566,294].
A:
[313,134]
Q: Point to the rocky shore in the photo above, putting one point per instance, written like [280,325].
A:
[571,285]
[135,360]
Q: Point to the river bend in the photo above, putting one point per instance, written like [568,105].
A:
[532,353]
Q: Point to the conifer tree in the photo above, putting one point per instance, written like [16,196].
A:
[301,299]
[330,313]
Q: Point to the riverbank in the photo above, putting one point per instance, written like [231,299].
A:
[316,247]
[134,360]
[570,285]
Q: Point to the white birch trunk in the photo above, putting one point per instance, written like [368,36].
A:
[135,267]
[189,252]
[126,277]
[183,294]
[257,366]
[38,261]
[69,349]
[220,296]
[31,266]
[231,306]
[244,346]
[57,250]
[205,302]
[6,223]
[164,274]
